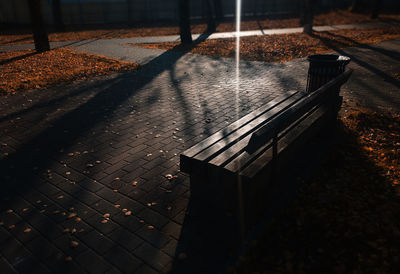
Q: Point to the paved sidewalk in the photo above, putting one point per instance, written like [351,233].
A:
[70,156]
[71,147]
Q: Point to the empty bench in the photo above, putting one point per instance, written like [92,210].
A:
[237,167]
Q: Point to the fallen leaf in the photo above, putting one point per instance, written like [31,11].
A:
[150,227]
[134,183]
[169,176]
[128,213]
[27,230]
[71,215]
[104,221]
[68,259]
[182,256]
[74,243]
[107,215]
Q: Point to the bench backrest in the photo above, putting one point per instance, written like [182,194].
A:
[290,115]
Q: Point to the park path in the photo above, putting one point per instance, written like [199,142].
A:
[119,48]
[70,155]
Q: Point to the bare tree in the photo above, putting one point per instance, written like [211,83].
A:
[308,15]
[376,8]
[38,27]
[219,15]
[184,22]
[211,26]
[129,11]
[57,16]
[356,6]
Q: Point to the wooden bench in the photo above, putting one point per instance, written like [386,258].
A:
[238,166]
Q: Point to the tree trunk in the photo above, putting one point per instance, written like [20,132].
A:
[57,16]
[38,28]
[184,22]
[129,11]
[356,6]
[376,7]
[210,17]
[219,15]
[308,16]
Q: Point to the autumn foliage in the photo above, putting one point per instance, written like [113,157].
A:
[284,47]
[23,70]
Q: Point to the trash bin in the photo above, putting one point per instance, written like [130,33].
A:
[323,68]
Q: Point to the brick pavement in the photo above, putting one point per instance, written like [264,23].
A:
[83,166]
[75,159]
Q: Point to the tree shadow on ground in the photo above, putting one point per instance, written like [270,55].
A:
[37,162]
[337,45]
[19,57]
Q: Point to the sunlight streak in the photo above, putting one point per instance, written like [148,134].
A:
[237,106]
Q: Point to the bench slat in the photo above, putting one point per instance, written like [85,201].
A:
[194,150]
[266,132]
[226,147]
[313,117]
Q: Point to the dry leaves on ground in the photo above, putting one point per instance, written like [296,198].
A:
[284,47]
[334,17]
[345,219]
[23,70]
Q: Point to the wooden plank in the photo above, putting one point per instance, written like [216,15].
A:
[243,160]
[224,149]
[187,163]
[266,132]
[299,132]
[235,125]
